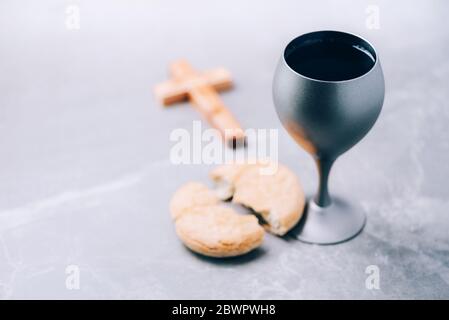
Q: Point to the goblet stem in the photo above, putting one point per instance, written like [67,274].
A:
[322,198]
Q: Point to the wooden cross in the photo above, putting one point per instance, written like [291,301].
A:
[201,89]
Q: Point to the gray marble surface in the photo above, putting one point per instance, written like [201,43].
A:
[85,174]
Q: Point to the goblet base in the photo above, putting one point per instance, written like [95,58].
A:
[333,224]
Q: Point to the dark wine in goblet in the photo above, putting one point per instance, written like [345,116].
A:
[328,91]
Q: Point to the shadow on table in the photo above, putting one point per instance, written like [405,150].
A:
[292,235]
[232,261]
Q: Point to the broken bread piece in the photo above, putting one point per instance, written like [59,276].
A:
[209,228]
[191,195]
[277,197]
[218,231]
[224,178]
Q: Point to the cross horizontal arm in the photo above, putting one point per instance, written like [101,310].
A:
[176,90]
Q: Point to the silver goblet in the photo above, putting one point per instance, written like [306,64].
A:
[328,91]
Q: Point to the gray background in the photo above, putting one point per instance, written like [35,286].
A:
[85,176]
